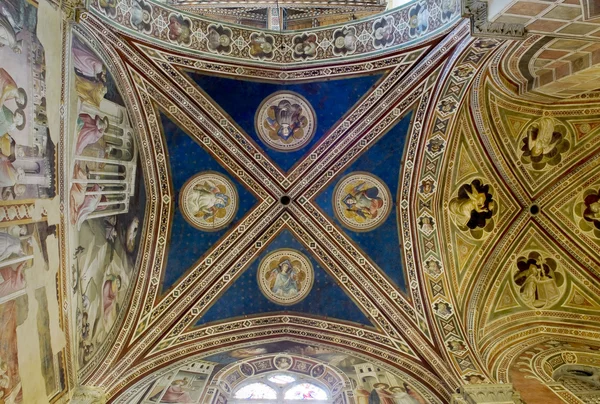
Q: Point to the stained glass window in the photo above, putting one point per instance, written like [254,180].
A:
[305,391]
[281,379]
[256,391]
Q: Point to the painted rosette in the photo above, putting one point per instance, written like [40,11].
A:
[285,121]
[208,201]
[285,276]
[361,201]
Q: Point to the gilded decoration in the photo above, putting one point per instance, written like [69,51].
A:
[208,201]
[285,276]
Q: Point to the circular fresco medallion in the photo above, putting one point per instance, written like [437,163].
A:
[285,121]
[285,276]
[361,201]
[208,201]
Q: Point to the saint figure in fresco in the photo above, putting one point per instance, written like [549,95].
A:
[288,119]
[462,208]
[594,211]
[363,201]
[13,279]
[538,283]
[8,36]
[380,394]
[542,140]
[9,245]
[10,120]
[87,63]
[400,396]
[206,198]
[82,203]
[90,130]
[10,91]
[361,395]
[9,175]
[284,279]
[175,393]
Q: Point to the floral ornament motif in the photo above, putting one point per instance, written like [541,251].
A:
[304,46]
[418,20]
[109,7]
[544,143]
[261,46]
[473,208]
[219,39]
[344,41]
[180,29]
[141,16]
[383,32]
[538,280]
[589,212]
[448,9]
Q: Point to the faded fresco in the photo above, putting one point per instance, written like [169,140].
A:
[192,383]
[31,343]
[106,200]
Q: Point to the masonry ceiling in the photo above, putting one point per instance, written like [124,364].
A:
[391,190]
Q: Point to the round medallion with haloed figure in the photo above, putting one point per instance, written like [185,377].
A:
[285,121]
[208,201]
[285,276]
[361,201]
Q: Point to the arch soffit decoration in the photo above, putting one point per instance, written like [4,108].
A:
[195,41]
[124,86]
[426,382]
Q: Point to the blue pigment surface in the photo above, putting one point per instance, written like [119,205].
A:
[330,99]
[244,297]
[188,244]
[384,160]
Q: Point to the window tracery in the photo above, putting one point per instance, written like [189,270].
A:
[280,388]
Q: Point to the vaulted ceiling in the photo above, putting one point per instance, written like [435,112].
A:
[395,192]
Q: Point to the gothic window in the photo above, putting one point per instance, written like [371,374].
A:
[305,391]
[280,388]
[256,391]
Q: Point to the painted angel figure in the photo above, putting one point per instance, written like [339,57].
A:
[288,119]
[543,141]
[364,201]
[462,208]
[284,279]
[206,198]
[594,213]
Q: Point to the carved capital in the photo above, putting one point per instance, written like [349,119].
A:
[487,394]
[88,395]
[477,12]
